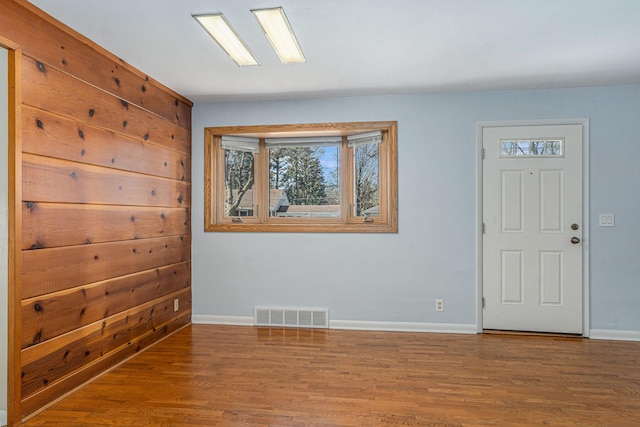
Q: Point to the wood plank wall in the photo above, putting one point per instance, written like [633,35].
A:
[102,216]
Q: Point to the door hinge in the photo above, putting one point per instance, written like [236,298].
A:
[482,302]
[482,153]
[483,228]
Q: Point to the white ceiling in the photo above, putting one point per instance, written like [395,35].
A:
[360,47]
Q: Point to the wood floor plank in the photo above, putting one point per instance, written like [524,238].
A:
[207,375]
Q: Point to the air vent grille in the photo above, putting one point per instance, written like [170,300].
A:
[292,317]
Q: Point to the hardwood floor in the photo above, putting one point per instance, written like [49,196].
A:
[237,376]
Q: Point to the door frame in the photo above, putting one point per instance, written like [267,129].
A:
[14,297]
[584,122]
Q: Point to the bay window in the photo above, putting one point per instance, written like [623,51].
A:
[328,177]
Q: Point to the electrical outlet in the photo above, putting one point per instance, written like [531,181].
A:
[439,304]
[176,304]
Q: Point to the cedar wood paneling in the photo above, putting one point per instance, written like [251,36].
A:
[103,234]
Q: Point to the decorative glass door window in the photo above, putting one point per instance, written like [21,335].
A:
[553,147]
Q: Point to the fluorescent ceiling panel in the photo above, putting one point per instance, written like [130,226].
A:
[276,27]
[218,27]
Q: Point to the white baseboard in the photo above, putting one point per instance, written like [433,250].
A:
[3,418]
[445,328]
[207,319]
[612,334]
[448,328]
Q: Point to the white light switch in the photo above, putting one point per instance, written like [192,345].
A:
[606,220]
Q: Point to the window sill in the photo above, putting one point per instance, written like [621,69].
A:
[304,228]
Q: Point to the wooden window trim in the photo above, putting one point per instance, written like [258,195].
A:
[387,222]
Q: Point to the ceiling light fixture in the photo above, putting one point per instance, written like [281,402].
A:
[218,27]
[276,27]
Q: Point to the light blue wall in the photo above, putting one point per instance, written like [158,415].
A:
[396,277]
[4,198]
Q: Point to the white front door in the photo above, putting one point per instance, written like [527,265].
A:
[532,241]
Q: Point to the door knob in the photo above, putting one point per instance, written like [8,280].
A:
[575,240]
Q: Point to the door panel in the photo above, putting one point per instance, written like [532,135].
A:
[512,277]
[551,190]
[532,194]
[551,280]
[512,201]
